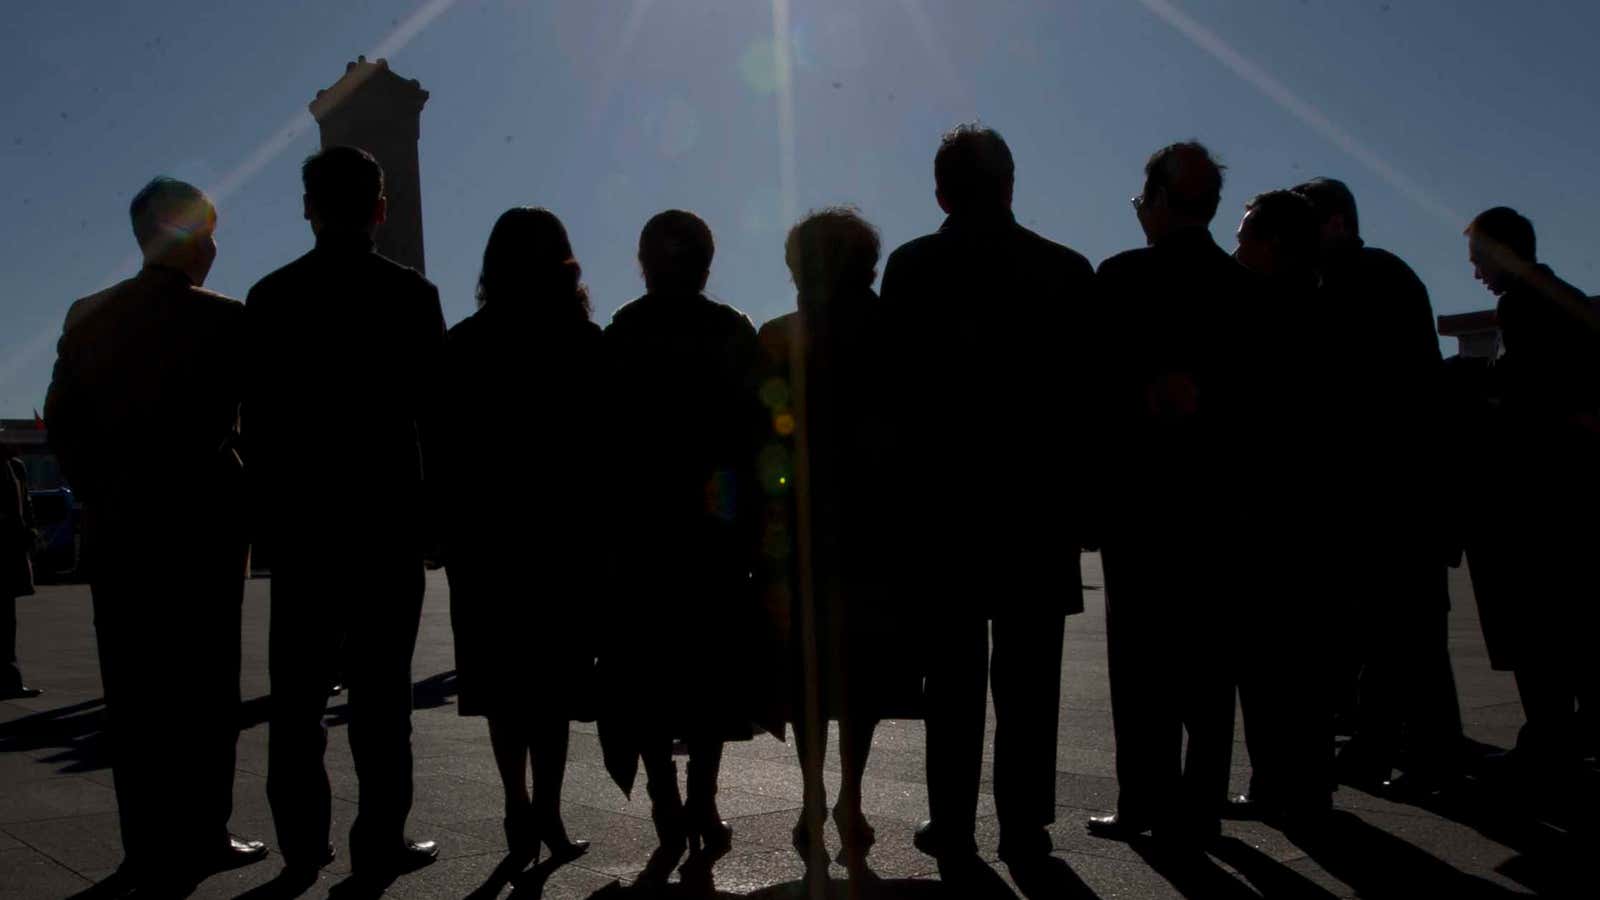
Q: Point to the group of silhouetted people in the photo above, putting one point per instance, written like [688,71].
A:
[690,530]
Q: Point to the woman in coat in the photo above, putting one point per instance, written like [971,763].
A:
[825,470]
[685,425]
[521,529]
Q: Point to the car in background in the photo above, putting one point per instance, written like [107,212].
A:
[57,517]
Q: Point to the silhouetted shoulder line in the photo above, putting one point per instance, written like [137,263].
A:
[1127,259]
[84,307]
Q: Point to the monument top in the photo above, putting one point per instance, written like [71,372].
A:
[371,81]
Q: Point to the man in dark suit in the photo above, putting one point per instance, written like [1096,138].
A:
[1177,314]
[1282,647]
[16,567]
[344,348]
[1386,432]
[1537,566]
[989,318]
[142,410]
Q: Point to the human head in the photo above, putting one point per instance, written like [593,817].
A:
[831,251]
[675,250]
[1182,187]
[175,224]
[973,171]
[344,191]
[529,260]
[1338,224]
[1502,248]
[1278,235]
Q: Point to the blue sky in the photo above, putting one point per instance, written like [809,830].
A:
[607,111]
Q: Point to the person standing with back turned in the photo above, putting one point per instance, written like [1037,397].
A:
[985,314]
[347,346]
[142,411]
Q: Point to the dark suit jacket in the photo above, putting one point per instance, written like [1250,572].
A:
[16,530]
[986,323]
[143,407]
[344,356]
[1179,323]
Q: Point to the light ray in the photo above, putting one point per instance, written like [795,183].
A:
[1301,109]
[611,71]
[954,84]
[783,78]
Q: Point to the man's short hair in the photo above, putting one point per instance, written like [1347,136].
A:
[675,250]
[172,211]
[1508,228]
[832,248]
[973,169]
[1331,197]
[1287,217]
[343,184]
[1190,177]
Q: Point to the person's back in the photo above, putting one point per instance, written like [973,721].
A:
[345,347]
[344,356]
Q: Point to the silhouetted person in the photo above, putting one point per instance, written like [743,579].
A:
[344,350]
[686,423]
[1386,431]
[987,318]
[16,566]
[143,413]
[1538,549]
[1178,314]
[826,473]
[523,545]
[1281,659]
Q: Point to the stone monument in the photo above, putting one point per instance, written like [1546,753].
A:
[373,108]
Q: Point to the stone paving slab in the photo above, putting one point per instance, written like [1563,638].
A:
[59,832]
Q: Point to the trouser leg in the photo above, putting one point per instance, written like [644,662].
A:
[1144,711]
[551,738]
[378,651]
[1026,671]
[10,674]
[1207,694]
[956,688]
[306,631]
[705,765]
[1548,738]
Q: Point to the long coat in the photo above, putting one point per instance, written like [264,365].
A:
[523,523]
[991,399]
[16,531]
[685,652]
[827,469]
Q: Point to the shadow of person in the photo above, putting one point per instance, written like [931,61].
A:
[287,884]
[971,877]
[1050,877]
[1269,877]
[1191,872]
[1548,857]
[78,729]
[511,870]
[1376,864]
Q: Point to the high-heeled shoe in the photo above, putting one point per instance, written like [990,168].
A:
[562,847]
[707,829]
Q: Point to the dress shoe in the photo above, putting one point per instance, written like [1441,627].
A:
[408,857]
[19,692]
[1247,808]
[856,834]
[562,848]
[1116,828]
[1024,846]
[935,842]
[235,853]
[706,827]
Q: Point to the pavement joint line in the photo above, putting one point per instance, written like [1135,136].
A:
[29,845]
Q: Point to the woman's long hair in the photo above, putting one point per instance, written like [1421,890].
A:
[529,261]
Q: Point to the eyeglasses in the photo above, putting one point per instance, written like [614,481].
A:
[1138,201]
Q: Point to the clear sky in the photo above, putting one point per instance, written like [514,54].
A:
[752,111]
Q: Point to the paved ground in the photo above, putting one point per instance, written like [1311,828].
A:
[59,833]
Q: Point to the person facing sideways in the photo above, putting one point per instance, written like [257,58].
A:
[825,469]
[685,427]
[523,529]
[1177,314]
[16,567]
[988,321]
[1386,430]
[348,346]
[142,412]
[1533,557]
[1280,662]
